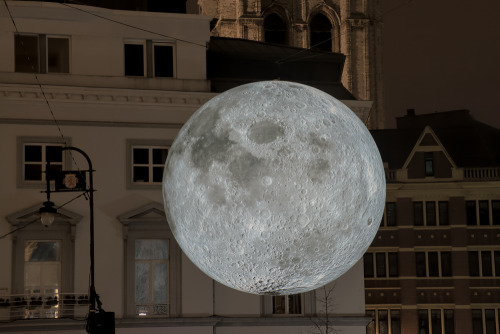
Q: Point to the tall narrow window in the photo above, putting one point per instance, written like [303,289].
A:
[368,264]
[393,264]
[446,264]
[423,322]
[163,60]
[430,213]
[489,321]
[443,213]
[134,60]
[429,163]
[275,30]
[321,33]
[383,322]
[380,264]
[58,55]
[477,321]
[27,56]
[418,214]
[449,322]
[436,321]
[484,213]
[470,207]
[151,277]
[496,255]
[433,264]
[395,322]
[420,264]
[486,269]
[390,213]
[473,263]
[495,212]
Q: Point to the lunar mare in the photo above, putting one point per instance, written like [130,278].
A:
[274,188]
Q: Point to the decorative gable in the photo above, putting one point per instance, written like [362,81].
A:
[429,158]
[147,217]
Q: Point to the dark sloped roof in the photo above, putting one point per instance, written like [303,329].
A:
[469,143]
[232,62]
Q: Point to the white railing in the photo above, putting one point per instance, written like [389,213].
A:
[484,174]
[61,305]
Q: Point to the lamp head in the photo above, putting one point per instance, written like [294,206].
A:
[47,213]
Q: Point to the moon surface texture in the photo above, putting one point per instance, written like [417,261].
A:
[274,188]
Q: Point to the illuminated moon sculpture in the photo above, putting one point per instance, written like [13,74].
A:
[274,188]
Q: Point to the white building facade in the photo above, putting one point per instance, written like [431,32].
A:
[117,85]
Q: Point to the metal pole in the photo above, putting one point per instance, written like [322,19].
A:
[92,297]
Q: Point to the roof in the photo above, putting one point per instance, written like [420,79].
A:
[232,62]
[470,143]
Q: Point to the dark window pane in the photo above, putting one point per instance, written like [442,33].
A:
[423,322]
[429,163]
[368,264]
[489,316]
[446,264]
[420,261]
[141,156]
[484,214]
[33,153]
[486,263]
[443,213]
[33,172]
[294,304]
[430,213]
[393,265]
[495,212]
[418,214]
[477,322]
[390,211]
[274,29]
[53,153]
[141,174]
[58,55]
[471,212]
[41,251]
[497,263]
[449,322]
[370,328]
[383,324]
[164,61]
[433,264]
[321,33]
[436,321]
[473,263]
[380,263]
[395,322]
[26,49]
[134,60]
[279,304]
[157,174]
[159,156]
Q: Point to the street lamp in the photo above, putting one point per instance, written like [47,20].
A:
[100,321]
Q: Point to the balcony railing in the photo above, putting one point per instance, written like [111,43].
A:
[62,305]
[482,174]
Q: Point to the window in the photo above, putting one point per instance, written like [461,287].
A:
[146,163]
[382,264]
[486,321]
[291,304]
[385,321]
[429,163]
[433,264]
[33,155]
[42,54]
[152,263]
[483,212]
[430,213]
[150,59]
[275,30]
[389,218]
[43,262]
[441,321]
[151,276]
[485,263]
[320,33]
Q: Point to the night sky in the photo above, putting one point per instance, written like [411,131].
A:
[442,55]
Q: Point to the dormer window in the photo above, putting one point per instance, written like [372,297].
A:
[429,163]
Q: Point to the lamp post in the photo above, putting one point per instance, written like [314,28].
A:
[47,215]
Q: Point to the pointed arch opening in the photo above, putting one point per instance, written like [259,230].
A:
[275,29]
[321,30]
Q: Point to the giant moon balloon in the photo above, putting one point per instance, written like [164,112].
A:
[274,188]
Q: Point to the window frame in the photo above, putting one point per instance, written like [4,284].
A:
[42,141]
[440,265]
[144,59]
[437,216]
[42,65]
[142,143]
[480,261]
[388,264]
[475,218]
[149,222]
[287,305]
[483,329]
[443,327]
[375,314]
[149,62]
[385,218]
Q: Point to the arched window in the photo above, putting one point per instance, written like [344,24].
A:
[275,30]
[321,33]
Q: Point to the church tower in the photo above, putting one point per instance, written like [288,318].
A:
[351,27]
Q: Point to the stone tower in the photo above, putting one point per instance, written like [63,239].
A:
[351,27]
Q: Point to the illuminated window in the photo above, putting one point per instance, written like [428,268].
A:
[291,304]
